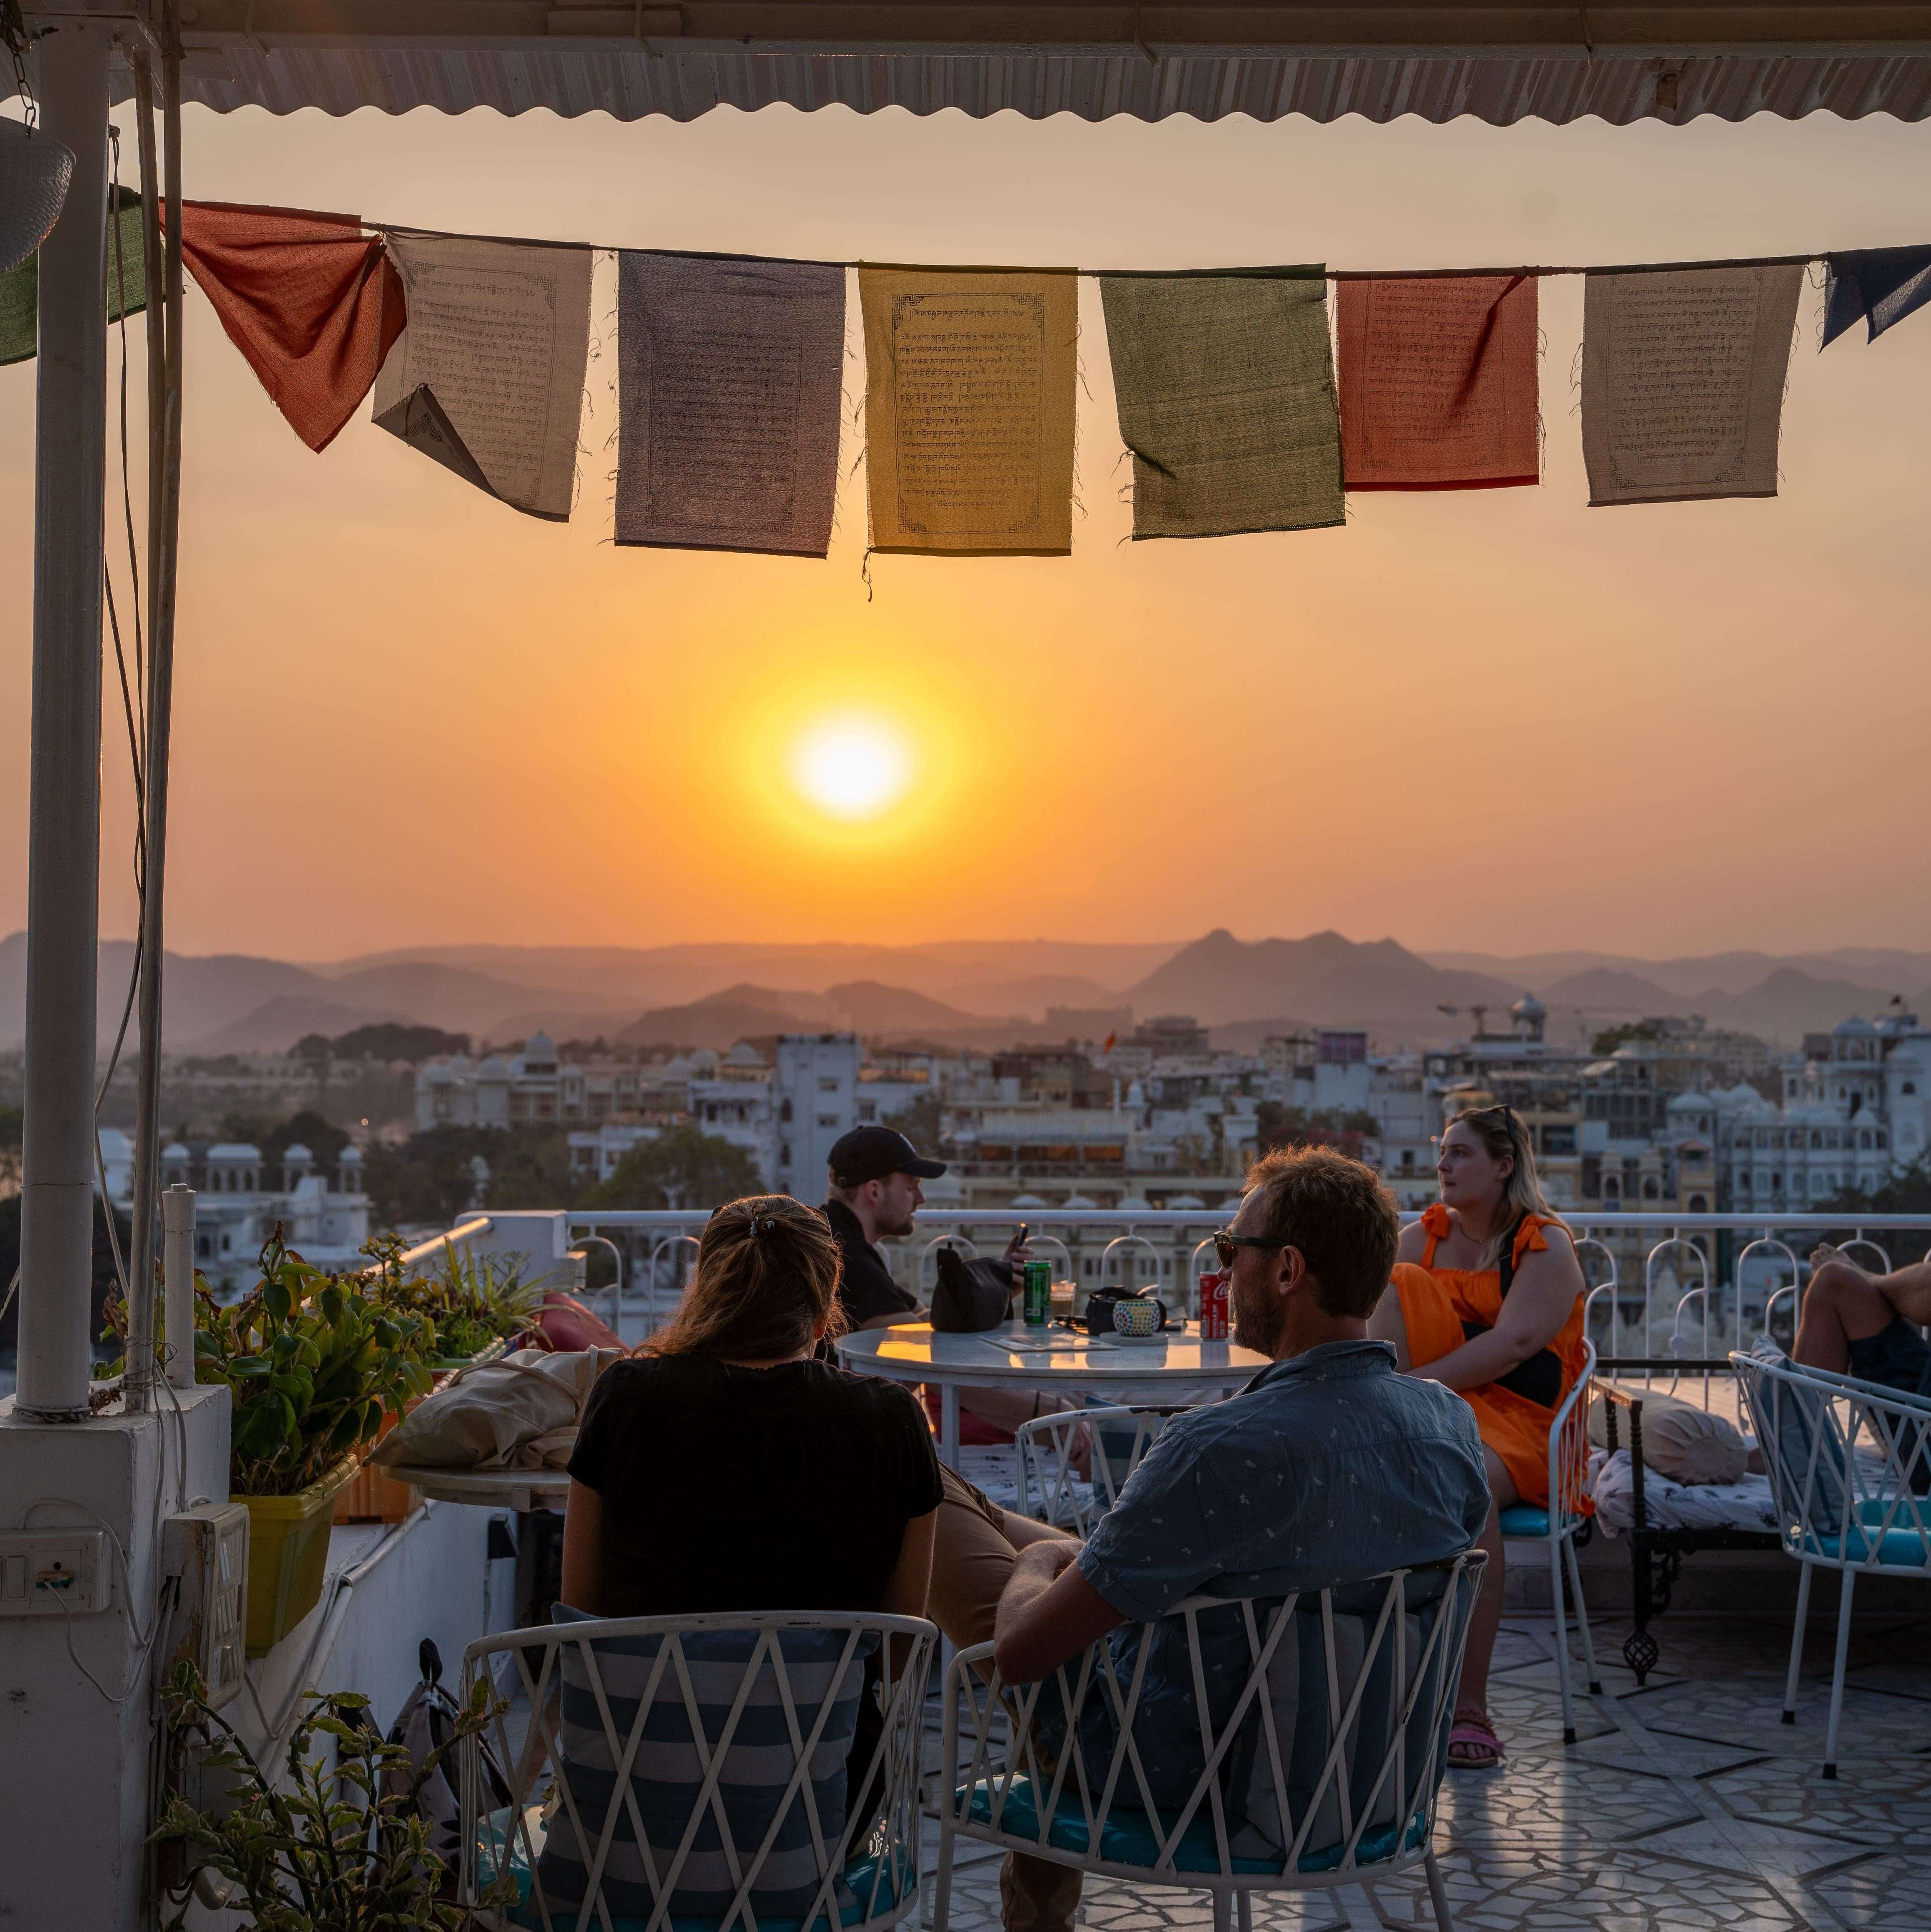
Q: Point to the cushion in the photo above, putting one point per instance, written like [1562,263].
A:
[1523,1520]
[666,1774]
[1686,1443]
[518,1412]
[873,1885]
[1129,1837]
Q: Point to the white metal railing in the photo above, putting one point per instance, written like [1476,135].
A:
[1680,1298]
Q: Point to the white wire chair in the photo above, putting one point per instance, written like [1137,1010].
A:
[1849,1464]
[1118,1436]
[1282,1745]
[1556,1527]
[695,1768]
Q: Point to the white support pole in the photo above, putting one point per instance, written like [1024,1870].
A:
[64,824]
[178,1279]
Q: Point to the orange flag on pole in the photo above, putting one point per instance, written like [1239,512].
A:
[311,300]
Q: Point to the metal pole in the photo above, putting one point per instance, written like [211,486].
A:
[177,1276]
[163,534]
[64,819]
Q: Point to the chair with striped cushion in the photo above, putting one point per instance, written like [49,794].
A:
[702,1773]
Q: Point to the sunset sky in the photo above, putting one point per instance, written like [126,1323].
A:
[1495,720]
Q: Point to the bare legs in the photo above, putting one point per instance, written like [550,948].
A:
[1487,1619]
[1388,1324]
[1846,1303]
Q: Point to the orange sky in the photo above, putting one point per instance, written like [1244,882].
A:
[1496,719]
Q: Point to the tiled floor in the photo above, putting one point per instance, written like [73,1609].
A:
[1683,1806]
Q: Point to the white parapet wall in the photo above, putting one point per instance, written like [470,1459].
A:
[76,1712]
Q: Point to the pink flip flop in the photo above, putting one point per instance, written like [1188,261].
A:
[1473,1744]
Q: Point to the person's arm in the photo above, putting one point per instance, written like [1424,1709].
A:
[911,1576]
[1538,1302]
[1048,1613]
[583,1550]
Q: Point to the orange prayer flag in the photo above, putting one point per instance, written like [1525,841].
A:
[1438,388]
[310,300]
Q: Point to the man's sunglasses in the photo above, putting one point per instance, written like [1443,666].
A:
[1227,1246]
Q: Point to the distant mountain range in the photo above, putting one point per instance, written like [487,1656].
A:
[977,993]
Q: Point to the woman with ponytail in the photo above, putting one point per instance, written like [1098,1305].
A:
[1487,1299]
[724,1467]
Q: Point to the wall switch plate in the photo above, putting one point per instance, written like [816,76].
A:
[53,1573]
[205,1563]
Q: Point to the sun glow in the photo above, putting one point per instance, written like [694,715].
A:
[852,767]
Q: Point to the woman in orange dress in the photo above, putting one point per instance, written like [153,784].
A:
[1487,1298]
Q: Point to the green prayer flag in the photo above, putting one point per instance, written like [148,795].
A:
[19,287]
[1225,385]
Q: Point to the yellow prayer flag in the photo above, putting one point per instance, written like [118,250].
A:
[969,409]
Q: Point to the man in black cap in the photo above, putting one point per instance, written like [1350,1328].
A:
[874,1192]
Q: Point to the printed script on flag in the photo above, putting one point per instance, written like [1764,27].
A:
[1225,387]
[969,409]
[729,381]
[487,379]
[1438,382]
[1683,374]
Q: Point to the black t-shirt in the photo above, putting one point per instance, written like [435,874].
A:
[866,1290]
[730,1489]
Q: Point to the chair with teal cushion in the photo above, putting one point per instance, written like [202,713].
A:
[1557,1526]
[1316,1763]
[1845,1461]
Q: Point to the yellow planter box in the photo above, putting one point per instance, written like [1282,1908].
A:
[288,1554]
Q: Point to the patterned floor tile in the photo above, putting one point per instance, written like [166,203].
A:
[1679,1756]
[1871,1800]
[1749,1714]
[1747,1845]
[1891,1893]
[1569,1800]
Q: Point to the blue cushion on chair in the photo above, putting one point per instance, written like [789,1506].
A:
[1129,1838]
[1898,1548]
[1523,1521]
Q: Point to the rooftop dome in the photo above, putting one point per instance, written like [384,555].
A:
[1856,1027]
[1081,1201]
[539,1046]
[295,1151]
[1133,1204]
[1028,1200]
[1528,1007]
[1185,1201]
[493,1067]
[234,1151]
[174,1150]
[352,1155]
[1694,1102]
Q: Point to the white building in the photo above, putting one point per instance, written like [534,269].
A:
[239,1198]
[814,1093]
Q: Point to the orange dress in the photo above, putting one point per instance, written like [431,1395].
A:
[1436,1303]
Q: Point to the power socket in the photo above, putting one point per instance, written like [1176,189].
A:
[53,1573]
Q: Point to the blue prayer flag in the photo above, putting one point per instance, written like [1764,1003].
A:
[1881,285]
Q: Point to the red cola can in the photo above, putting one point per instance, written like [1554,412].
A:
[1214,1307]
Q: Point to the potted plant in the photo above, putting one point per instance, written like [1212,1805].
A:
[345,1848]
[471,1308]
[313,1362]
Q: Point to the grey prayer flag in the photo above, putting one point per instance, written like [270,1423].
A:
[1683,374]
[729,380]
[1226,384]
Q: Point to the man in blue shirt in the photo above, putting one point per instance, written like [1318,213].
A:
[1328,1467]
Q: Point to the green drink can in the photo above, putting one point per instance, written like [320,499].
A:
[1038,1294]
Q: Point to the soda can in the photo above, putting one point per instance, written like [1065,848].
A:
[1214,1307]
[1038,1294]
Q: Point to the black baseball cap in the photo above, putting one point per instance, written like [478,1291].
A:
[870,1153]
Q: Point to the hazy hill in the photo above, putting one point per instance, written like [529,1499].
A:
[1336,981]
[725,1018]
[869,1007]
[275,1025]
[1870,968]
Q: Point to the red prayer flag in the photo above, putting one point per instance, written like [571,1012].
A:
[311,301]
[1438,383]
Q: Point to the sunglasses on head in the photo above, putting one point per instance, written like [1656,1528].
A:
[1227,1246]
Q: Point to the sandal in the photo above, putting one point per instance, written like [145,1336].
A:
[1473,1744]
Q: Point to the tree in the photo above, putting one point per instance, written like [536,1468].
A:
[683,1167]
[1907,1191]
[919,1121]
[324,1142]
[430,1177]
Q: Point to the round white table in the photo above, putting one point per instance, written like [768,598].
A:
[1176,1365]
[519,1489]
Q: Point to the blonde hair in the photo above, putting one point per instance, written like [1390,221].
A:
[1501,1132]
[766,1284]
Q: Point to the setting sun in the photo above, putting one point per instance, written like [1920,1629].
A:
[852,767]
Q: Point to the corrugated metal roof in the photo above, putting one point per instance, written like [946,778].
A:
[683,81]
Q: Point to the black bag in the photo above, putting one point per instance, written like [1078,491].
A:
[1096,1318]
[972,1293]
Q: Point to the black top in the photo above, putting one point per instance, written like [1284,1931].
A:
[867,1289]
[729,1489]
